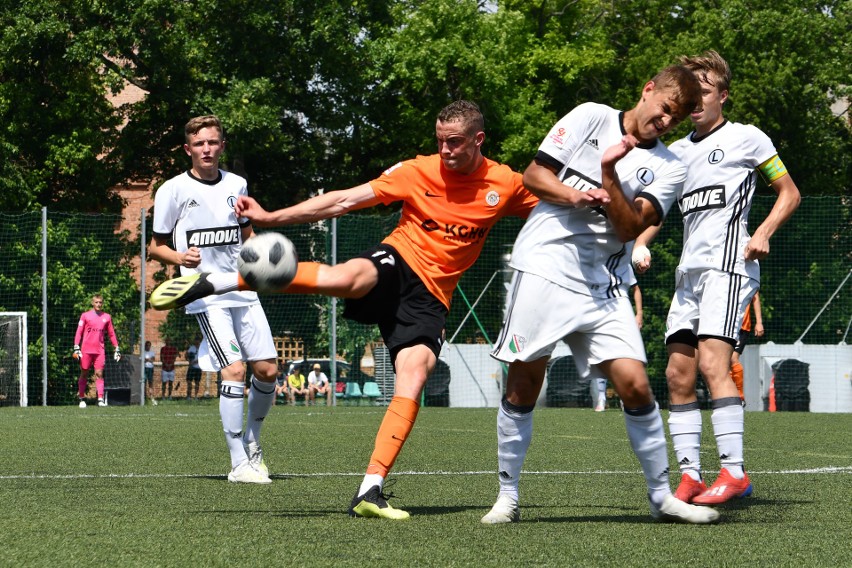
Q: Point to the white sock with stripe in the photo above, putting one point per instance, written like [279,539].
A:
[514,434]
[648,440]
[685,430]
[728,425]
[260,399]
[231,412]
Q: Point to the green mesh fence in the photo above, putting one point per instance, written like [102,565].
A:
[801,292]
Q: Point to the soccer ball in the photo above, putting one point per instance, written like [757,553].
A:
[268,262]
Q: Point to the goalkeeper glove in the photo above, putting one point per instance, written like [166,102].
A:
[77,352]
[117,355]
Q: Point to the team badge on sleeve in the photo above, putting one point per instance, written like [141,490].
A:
[557,136]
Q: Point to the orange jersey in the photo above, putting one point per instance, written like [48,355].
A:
[446,215]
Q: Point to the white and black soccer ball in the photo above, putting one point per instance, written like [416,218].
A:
[268,261]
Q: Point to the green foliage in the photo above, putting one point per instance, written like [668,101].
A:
[84,257]
[329,94]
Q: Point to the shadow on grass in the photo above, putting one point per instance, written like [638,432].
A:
[224,477]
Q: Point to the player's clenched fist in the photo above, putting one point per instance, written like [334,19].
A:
[641,258]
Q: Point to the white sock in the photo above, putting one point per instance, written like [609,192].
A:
[370,480]
[685,430]
[260,399]
[223,281]
[648,440]
[231,412]
[728,426]
[514,434]
[601,389]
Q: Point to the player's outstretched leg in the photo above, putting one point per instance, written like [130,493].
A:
[178,292]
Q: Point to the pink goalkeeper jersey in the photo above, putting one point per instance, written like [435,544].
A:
[91,329]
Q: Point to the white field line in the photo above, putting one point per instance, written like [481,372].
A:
[33,476]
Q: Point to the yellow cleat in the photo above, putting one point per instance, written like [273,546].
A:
[178,292]
[374,504]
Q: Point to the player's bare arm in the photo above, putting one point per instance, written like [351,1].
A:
[628,218]
[325,206]
[787,202]
[542,181]
[159,249]
[758,316]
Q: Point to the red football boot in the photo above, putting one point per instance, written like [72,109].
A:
[725,488]
[689,488]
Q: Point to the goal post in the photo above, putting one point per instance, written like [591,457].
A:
[13,359]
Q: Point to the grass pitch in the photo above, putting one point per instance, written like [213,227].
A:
[131,486]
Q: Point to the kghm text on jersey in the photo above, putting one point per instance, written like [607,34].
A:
[456,232]
[213,237]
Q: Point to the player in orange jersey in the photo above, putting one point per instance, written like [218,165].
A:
[745,331]
[450,202]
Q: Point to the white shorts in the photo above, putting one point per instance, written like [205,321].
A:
[168,376]
[234,334]
[540,313]
[710,303]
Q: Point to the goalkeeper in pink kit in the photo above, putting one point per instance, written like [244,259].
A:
[89,347]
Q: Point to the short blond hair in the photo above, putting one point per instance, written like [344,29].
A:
[207,121]
[709,62]
[683,86]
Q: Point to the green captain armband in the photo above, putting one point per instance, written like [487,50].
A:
[772,169]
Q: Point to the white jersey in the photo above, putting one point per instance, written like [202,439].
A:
[717,196]
[197,213]
[577,248]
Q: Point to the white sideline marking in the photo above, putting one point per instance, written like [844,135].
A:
[812,471]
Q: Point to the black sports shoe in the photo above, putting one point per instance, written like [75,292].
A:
[178,292]
[374,504]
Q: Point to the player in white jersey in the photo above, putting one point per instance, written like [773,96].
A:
[602,177]
[716,278]
[195,210]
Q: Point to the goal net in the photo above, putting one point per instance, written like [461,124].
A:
[13,359]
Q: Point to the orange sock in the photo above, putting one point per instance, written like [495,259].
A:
[737,375]
[305,281]
[397,424]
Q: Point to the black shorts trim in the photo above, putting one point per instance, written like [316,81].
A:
[742,339]
[406,312]
[684,336]
[727,340]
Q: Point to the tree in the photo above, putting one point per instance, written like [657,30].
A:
[789,61]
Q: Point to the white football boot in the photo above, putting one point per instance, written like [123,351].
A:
[675,510]
[246,473]
[505,510]
[255,456]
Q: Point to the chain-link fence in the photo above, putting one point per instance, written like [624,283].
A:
[52,263]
